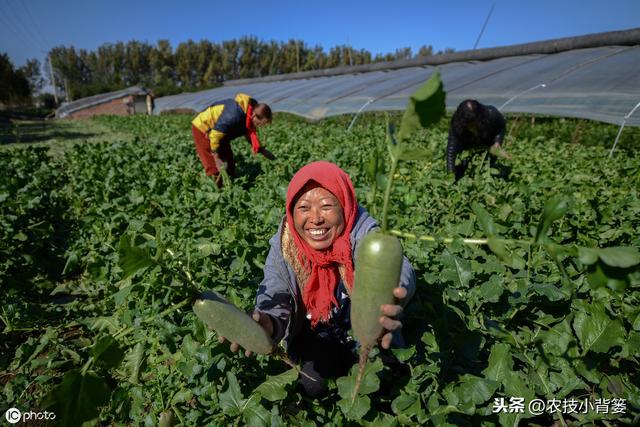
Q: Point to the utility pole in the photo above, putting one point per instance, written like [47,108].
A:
[297,56]
[66,89]
[53,79]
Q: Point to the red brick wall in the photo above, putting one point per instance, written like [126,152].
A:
[115,106]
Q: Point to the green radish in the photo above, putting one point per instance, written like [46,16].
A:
[378,264]
[166,418]
[236,326]
[233,324]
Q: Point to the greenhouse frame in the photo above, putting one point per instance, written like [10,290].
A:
[592,77]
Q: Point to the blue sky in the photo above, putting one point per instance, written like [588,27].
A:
[28,28]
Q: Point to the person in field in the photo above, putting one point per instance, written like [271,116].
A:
[215,127]
[475,126]
[304,298]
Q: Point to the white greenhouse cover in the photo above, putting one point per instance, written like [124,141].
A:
[599,83]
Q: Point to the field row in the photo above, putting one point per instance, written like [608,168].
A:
[103,245]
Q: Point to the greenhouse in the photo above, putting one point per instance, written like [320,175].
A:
[592,77]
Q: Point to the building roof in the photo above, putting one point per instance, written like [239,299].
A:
[90,101]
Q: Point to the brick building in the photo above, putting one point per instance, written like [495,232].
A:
[133,100]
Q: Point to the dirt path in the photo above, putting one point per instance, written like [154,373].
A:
[59,134]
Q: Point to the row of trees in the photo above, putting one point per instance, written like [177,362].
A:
[197,65]
[191,66]
[18,85]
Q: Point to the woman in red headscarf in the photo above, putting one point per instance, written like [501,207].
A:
[308,276]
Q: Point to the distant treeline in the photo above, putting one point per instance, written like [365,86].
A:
[14,83]
[196,65]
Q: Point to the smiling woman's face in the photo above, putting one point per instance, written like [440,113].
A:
[318,217]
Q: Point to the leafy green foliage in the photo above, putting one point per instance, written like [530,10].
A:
[78,398]
[356,408]
[273,389]
[426,107]
[35,222]
[103,245]
[133,258]
[553,210]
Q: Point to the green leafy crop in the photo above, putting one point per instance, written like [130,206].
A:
[527,287]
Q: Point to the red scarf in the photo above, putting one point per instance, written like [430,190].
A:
[251,134]
[319,291]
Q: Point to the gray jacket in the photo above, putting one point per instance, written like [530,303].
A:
[279,294]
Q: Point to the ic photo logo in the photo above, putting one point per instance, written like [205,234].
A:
[13,415]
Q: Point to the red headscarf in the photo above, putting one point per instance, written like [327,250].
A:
[252,135]
[319,291]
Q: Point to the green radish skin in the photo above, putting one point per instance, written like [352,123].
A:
[378,262]
[231,323]
[236,326]
[166,418]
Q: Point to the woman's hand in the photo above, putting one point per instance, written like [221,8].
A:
[390,313]
[263,320]
[497,150]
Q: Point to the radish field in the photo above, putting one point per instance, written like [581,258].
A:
[527,287]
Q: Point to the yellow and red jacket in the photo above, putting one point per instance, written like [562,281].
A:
[228,119]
